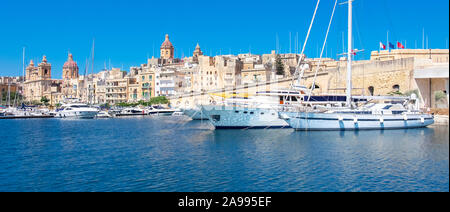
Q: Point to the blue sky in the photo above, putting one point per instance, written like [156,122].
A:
[127,32]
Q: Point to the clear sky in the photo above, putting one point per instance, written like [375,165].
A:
[127,32]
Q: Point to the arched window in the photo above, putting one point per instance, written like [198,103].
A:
[396,87]
[371,90]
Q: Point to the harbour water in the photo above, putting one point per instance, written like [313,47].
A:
[173,154]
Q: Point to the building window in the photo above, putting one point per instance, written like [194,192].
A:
[371,90]
[143,77]
[396,87]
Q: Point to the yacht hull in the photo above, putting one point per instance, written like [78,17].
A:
[195,114]
[227,117]
[79,114]
[340,121]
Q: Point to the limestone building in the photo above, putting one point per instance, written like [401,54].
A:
[197,52]
[116,86]
[70,83]
[167,51]
[38,80]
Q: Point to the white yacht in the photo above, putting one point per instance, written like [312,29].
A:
[391,115]
[178,113]
[375,116]
[161,111]
[77,110]
[260,111]
[103,114]
[194,113]
[132,112]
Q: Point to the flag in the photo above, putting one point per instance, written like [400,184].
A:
[382,46]
[399,45]
[391,45]
[353,52]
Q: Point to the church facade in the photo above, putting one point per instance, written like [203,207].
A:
[38,80]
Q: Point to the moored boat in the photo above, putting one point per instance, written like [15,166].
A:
[77,110]
[368,117]
[132,112]
[161,111]
[356,116]
[103,114]
[195,114]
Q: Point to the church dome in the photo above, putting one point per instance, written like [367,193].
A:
[70,63]
[166,44]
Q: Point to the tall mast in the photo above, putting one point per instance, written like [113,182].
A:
[92,72]
[23,64]
[349,56]
[23,71]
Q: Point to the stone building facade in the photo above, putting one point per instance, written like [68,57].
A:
[71,85]
[38,80]
[167,51]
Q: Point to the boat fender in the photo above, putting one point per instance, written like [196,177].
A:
[340,118]
[381,120]
[422,120]
[355,120]
[405,117]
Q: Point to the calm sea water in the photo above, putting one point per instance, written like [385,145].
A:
[171,154]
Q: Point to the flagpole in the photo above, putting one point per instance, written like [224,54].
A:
[387,43]
[423,38]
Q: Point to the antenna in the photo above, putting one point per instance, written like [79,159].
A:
[423,38]
[93,53]
[290,50]
[86,67]
[277,43]
[23,64]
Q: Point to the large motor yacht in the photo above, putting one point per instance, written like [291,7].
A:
[77,110]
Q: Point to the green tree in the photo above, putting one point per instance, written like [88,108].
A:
[44,100]
[13,96]
[279,66]
[438,95]
[159,100]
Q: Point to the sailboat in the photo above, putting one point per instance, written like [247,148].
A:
[395,113]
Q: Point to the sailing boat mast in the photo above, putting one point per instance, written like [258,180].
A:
[92,72]
[349,56]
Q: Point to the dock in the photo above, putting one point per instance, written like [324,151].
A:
[27,117]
